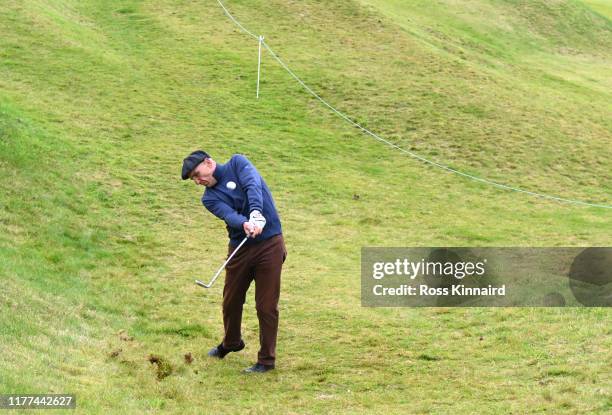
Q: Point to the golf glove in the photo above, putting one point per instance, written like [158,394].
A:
[257,219]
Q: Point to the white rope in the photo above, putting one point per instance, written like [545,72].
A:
[411,154]
[228,14]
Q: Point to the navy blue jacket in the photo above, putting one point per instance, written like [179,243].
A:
[239,191]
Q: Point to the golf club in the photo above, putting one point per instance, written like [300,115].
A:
[212,281]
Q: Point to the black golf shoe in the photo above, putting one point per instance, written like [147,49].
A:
[220,351]
[258,368]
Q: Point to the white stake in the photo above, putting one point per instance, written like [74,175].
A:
[261,38]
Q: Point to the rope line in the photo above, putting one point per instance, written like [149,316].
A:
[411,154]
[228,14]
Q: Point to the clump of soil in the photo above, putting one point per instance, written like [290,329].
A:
[188,358]
[124,337]
[115,353]
[163,367]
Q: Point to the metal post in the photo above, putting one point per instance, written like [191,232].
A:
[261,38]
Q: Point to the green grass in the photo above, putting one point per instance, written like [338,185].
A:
[100,240]
[604,7]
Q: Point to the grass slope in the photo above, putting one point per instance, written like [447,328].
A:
[100,241]
[604,7]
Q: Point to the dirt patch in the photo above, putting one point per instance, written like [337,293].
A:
[115,353]
[162,366]
[123,336]
[188,358]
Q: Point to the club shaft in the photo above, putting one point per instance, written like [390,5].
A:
[212,281]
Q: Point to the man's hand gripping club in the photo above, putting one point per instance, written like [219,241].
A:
[254,227]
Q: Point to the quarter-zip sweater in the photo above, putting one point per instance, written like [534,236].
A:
[240,189]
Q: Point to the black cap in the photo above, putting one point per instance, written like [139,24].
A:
[191,162]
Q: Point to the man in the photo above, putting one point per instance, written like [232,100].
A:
[237,194]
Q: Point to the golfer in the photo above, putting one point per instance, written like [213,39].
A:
[237,194]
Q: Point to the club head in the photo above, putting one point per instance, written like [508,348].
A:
[201,284]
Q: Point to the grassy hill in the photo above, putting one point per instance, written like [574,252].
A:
[100,239]
[603,7]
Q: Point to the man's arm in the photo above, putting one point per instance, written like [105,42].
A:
[225,212]
[250,180]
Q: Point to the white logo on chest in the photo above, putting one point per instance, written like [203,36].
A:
[230,185]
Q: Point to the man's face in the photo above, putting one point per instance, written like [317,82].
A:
[203,173]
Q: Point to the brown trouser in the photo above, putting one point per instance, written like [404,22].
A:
[261,262]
